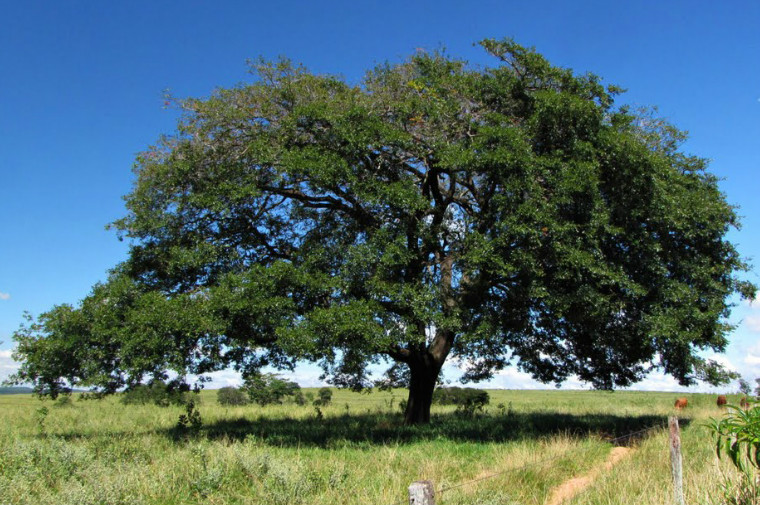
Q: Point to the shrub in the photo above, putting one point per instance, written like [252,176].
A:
[461,397]
[299,398]
[231,396]
[324,397]
[467,400]
[190,420]
[266,389]
[41,416]
[157,392]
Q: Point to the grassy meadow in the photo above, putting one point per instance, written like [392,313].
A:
[356,451]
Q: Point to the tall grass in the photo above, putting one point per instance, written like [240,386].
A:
[103,452]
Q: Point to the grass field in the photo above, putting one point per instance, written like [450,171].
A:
[105,453]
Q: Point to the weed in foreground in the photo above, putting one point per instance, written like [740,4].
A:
[738,438]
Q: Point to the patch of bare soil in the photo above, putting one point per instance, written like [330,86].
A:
[572,487]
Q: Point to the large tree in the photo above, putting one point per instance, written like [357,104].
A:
[500,215]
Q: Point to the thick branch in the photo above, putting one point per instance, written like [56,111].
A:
[399,354]
[324,202]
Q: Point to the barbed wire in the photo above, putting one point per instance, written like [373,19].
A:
[544,461]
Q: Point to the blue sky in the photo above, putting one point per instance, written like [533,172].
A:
[81,92]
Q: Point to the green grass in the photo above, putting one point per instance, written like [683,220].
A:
[103,452]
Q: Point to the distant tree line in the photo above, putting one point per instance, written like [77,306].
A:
[269,389]
[159,393]
[262,389]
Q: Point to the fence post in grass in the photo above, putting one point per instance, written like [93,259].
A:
[421,493]
[675,459]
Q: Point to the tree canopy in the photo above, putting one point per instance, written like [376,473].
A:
[503,215]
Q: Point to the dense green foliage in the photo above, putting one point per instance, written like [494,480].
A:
[158,392]
[265,389]
[460,396]
[324,397]
[503,215]
[468,400]
[231,396]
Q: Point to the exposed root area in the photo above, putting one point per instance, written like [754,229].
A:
[572,487]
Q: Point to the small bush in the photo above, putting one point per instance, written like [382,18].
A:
[324,397]
[190,420]
[299,398]
[157,392]
[41,416]
[231,396]
[461,397]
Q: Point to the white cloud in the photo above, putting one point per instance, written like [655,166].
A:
[722,360]
[223,378]
[7,364]
[752,323]
[658,381]
[752,359]
[4,296]
[512,378]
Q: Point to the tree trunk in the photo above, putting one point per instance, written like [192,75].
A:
[424,374]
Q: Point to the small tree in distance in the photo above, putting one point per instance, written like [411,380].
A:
[504,215]
[266,389]
[324,397]
[744,387]
[231,396]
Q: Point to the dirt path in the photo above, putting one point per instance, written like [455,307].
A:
[572,487]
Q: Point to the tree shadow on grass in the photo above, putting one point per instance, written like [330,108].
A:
[367,430]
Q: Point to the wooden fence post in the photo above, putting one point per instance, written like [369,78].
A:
[675,459]
[421,493]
